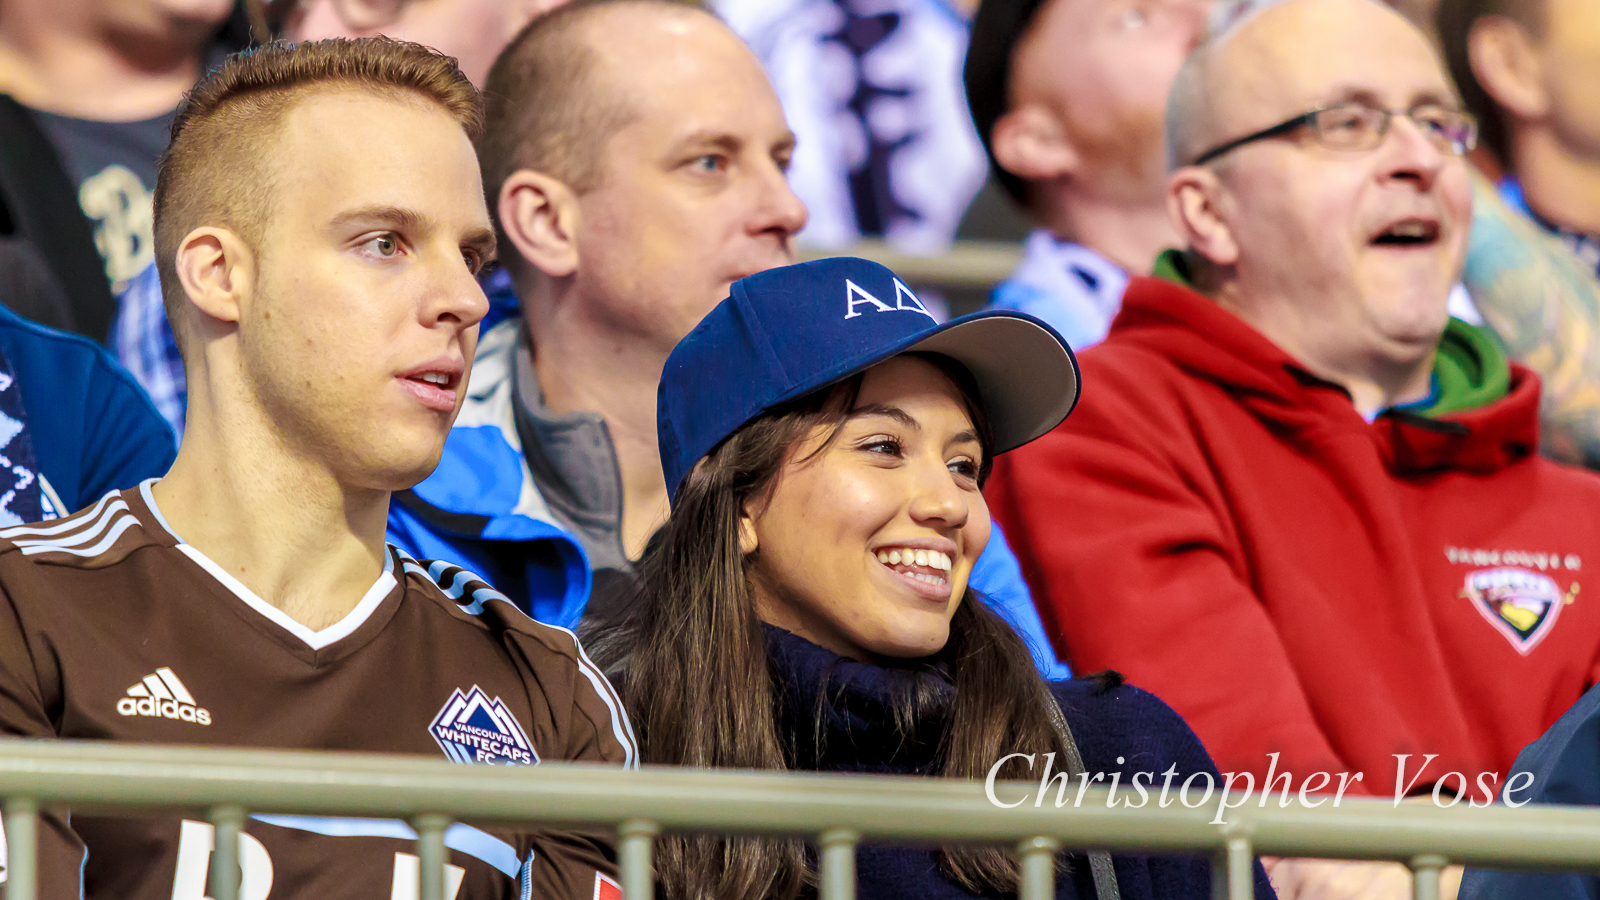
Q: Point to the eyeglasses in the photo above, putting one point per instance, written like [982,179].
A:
[1362,126]
[357,15]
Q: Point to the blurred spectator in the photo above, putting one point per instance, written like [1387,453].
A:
[73,425]
[1299,502]
[1044,77]
[1530,70]
[873,90]
[1070,95]
[472,31]
[87,93]
[637,177]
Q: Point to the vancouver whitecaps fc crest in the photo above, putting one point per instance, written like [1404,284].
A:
[1521,605]
[471,728]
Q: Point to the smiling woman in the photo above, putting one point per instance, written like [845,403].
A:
[807,606]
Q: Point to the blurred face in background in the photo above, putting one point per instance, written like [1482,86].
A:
[472,31]
[1568,53]
[691,193]
[1102,69]
[134,24]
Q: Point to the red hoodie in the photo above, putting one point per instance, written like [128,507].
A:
[1225,529]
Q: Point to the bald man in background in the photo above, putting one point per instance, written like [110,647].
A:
[635,154]
[1306,507]
[1068,98]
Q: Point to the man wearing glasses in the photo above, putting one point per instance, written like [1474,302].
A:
[1307,506]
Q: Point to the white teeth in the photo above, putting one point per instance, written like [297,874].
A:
[931,558]
[434,378]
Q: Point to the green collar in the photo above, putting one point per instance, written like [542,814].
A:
[1470,368]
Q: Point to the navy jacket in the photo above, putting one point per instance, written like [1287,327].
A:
[92,427]
[1565,764]
[1109,720]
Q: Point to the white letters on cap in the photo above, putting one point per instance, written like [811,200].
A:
[855,295]
[852,291]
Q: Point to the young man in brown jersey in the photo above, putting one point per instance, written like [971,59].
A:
[319,223]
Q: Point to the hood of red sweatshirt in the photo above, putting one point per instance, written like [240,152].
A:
[1211,343]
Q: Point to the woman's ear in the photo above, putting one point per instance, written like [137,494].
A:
[748,542]
[1194,196]
[539,216]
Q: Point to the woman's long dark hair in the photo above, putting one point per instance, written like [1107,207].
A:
[695,676]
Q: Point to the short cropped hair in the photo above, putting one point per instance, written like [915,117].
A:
[545,105]
[219,168]
[1455,20]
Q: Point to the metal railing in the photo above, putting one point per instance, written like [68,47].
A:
[224,786]
[967,264]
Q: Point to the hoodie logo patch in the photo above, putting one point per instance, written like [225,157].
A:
[1521,605]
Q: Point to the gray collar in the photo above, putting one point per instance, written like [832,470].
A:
[574,465]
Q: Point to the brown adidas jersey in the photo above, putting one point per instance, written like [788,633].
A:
[112,628]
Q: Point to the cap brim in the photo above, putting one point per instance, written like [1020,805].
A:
[1027,377]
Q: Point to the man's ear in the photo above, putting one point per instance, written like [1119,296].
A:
[539,215]
[217,271]
[1030,143]
[1508,66]
[1194,195]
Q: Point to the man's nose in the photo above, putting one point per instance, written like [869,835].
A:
[456,297]
[778,210]
[1412,155]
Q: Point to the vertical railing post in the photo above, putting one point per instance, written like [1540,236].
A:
[22,848]
[1233,870]
[636,840]
[839,863]
[226,823]
[1038,868]
[430,855]
[1425,876]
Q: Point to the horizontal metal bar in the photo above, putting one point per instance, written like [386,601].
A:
[101,775]
[967,264]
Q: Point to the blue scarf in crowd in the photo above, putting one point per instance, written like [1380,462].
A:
[19,480]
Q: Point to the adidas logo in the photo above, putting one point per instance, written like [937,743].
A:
[162,695]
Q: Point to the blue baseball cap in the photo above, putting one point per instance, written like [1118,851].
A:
[786,332]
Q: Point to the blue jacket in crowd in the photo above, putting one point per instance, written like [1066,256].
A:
[90,425]
[1118,728]
[1565,764]
[483,510]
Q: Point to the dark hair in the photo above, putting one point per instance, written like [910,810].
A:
[997,27]
[1455,20]
[695,675]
